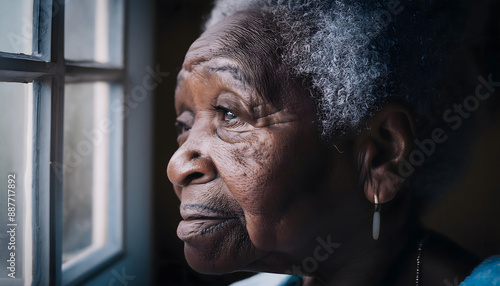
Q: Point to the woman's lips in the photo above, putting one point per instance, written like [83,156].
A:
[188,229]
[203,221]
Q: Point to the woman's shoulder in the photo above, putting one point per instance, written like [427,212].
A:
[487,273]
[270,279]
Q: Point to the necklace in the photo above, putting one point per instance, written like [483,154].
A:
[419,253]
[419,256]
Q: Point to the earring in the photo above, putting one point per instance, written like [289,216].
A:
[376,219]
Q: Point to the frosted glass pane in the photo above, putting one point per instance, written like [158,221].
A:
[16,168]
[94,31]
[85,169]
[16,26]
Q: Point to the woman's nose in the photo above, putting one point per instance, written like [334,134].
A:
[189,166]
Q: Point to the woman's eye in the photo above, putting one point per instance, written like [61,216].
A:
[229,115]
[181,127]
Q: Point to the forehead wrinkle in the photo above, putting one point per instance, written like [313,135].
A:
[187,88]
[193,59]
[184,73]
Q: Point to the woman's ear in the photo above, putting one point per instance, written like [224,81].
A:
[381,148]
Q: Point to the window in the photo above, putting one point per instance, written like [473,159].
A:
[17,152]
[64,86]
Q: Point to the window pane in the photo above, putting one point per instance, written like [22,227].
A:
[92,177]
[16,26]
[86,168]
[94,31]
[16,145]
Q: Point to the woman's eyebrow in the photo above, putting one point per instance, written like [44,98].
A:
[236,72]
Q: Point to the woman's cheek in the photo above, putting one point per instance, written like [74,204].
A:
[252,170]
[256,182]
[254,165]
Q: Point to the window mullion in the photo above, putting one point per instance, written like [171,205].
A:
[56,146]
[36,25]
[41,183]
[76,73]
[23,70]
[43,13]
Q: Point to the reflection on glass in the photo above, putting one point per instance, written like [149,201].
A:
[85,168]
[16,168]
[94,31]
[16,26]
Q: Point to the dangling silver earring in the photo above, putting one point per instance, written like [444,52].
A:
[376,219]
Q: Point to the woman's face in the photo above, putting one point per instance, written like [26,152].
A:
[246,170]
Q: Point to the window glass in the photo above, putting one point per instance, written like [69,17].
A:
[86,168]
[92,176]
[16,26]
[16,168]
[94,31]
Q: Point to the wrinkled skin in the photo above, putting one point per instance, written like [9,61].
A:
[258,188]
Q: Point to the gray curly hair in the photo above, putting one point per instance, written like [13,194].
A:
[334,45]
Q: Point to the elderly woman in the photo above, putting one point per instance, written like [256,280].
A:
[296,126]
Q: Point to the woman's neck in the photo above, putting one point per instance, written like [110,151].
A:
[369,262]
[373,268]
[440,260]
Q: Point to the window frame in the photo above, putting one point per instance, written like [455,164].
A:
[50,71]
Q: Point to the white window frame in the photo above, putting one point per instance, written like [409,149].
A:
[49,72]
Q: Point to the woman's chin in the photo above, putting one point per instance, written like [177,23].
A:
[211,263]
[228,258]
[216,247]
